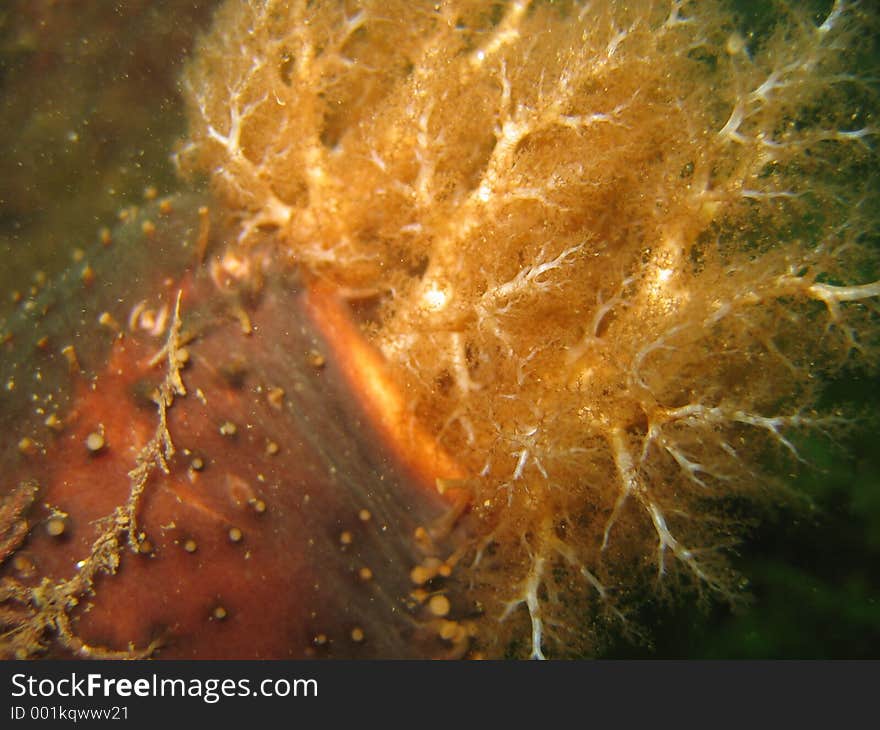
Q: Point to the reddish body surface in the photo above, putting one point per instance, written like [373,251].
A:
[285,524]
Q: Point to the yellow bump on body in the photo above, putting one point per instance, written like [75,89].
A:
[345,538]
[275,396]
[228,428]
[420,595]
[439,605]
[364,515]
[235,534]
[220,613]
[150,192]
[357,634]
[272,448]
[87,275]
[421,574]
[190,546]
[26,445]
[105,319]
[258,505]
[145,547]
[320,639]
[148,228]
[316,359]
[53,422]
[23,565]
[453,631]
[197,464]
[69,353]
[105,237]
[95,442]
[43,343]
[165,206]
[56,526]
[365,574]
[735,44]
